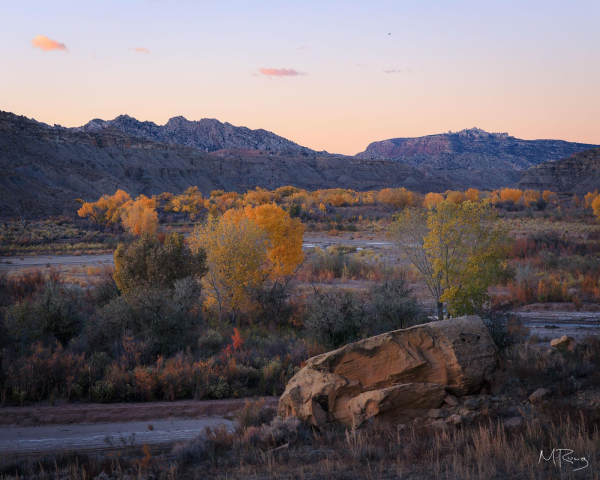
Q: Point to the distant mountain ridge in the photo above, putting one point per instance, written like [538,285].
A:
[207,134]
[471,149]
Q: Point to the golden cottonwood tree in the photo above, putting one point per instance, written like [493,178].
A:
[596,207]
[432,198]
[107,209]
[467,249]
[189,202]
[589,198]
[235,251]
[284,237]
[459,249]
[139,216]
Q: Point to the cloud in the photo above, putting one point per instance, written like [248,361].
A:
[302,48]
[407,70]
[44,43]
[141,50]
[280,72]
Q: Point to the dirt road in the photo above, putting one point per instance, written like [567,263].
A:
[101,436]
[71,427]
[43,261]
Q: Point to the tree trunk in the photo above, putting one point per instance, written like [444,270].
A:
[440,310]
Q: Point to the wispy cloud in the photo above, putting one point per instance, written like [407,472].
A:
[280,72]
[406,70]
[47,45]
[141,50]
[302,48]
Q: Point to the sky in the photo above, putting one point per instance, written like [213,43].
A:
[330,75]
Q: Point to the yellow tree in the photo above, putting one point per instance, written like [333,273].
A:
[589,198]
[530,197]
[189,202]
[455,196]
[432,199]
[408,231]
[458,249]
[284,236]
[472,194]
[549,196]
[596,207]
[284,253]
[467,248]
[511,194]
[396,197]
[235,251]
[139,216]
[107,209]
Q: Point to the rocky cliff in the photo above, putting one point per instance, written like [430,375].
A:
[579,173]
[207,134]
[496,157]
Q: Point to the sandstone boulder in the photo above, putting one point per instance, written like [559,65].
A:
[396,376]
[564,343]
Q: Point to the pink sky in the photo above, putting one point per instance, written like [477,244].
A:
[324,74]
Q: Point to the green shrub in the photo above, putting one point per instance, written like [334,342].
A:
[393,306]
[103,391]
[335,317]
[147,263]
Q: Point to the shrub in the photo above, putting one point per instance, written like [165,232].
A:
[393,306]
[56,312]
[166,320]
[103,391]
[505,330]
[252,414]
[335,317]
[210,343]
[148,263]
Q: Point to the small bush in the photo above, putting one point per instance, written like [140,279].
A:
[253,414]
[505,330]
[335,317]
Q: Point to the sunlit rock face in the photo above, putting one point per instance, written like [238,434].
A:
[396,376]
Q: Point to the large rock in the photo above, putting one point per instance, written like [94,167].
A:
[564,343]
[396,376]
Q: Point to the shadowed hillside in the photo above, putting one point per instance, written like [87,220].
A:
[579,173]
[45,169]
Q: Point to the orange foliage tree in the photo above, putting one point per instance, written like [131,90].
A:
[139,216]
[107,209]
[189,202]
[284,234]
[530,197]
[396,197]
[456,197]
[235,251]
[472,194]
[511,194]
[432,199]
[589,198]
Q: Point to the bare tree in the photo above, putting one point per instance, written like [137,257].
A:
[408,232]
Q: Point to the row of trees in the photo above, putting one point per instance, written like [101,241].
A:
[136,216]
[139,215]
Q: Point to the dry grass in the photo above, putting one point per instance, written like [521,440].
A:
[488,450]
